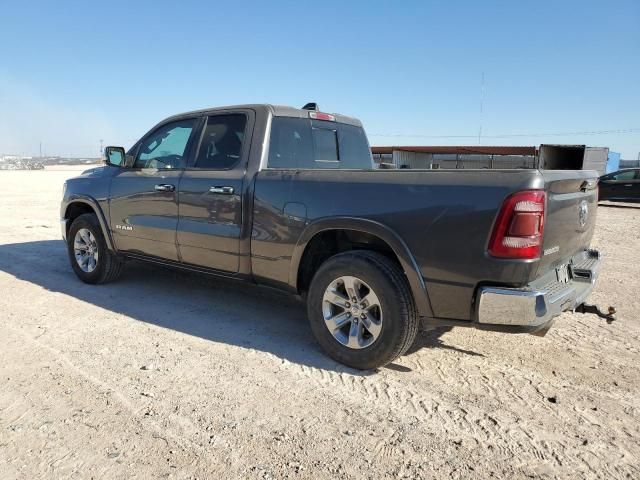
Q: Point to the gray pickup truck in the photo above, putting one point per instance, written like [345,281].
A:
[289,198]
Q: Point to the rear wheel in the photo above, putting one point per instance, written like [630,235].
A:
[90,258]
[361,309]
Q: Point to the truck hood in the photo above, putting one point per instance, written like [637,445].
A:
[95,171]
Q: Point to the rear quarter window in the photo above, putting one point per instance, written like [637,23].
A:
[305,144]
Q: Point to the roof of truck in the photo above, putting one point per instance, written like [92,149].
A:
[276,110]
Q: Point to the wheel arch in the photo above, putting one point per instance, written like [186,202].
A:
[80,204]
[374,230]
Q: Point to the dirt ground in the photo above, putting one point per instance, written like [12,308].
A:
[169,375]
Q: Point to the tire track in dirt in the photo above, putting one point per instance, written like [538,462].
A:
[507,436]
[399,398]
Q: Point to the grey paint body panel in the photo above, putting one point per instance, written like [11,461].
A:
[439,221]
[436,221]
[151,215]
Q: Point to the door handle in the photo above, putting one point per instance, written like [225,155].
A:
[222,190]
[628,185]
[164,187]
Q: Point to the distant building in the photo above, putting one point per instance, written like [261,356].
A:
[19,162]
[629,163]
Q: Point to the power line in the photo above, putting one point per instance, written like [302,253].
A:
[513,135]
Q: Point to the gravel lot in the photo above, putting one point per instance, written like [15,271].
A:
[164,374]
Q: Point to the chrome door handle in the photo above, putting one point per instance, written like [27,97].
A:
[164,187]
[629,185]
[222,190]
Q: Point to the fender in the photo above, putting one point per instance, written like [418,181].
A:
[93,203]
[399,247]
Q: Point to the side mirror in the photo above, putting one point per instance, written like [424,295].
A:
[114,156]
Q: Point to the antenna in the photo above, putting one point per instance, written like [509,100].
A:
[481,105]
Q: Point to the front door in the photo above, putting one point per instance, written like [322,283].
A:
[144,197]
[211,191]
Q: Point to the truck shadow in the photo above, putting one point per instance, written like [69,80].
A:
[214,309]
[632,206]
[432,339]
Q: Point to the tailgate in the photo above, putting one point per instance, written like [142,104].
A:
[570,215]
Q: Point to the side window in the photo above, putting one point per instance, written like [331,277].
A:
[166,147]
[627,175]
[290,145]
[221,145]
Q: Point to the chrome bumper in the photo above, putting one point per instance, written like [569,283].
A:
[63,228]
[538,303]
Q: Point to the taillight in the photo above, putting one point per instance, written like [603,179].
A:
[518,230]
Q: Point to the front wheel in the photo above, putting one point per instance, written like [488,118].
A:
[361,309]
[90,258]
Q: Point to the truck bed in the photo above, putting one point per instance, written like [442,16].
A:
[444,218]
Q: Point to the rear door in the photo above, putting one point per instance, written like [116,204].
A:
[211,193]
[143,199]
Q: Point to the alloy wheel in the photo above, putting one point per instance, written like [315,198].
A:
[352,312]
[85,250]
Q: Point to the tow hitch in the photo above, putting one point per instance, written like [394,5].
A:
[610,316]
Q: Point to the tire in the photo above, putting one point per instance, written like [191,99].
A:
[398,316]
[106,265]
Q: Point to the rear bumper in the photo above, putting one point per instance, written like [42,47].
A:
[533,307]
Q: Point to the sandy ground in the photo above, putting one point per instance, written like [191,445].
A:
[169,375]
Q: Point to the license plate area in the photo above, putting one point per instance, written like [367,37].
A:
[564,274]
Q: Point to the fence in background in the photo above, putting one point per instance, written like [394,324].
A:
[432,161]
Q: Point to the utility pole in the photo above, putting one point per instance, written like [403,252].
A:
[40,149]
[101,148]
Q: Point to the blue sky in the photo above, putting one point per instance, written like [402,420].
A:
[72,73]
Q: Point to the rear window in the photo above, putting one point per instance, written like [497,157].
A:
[303,143]
[354,146]
[325,144]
